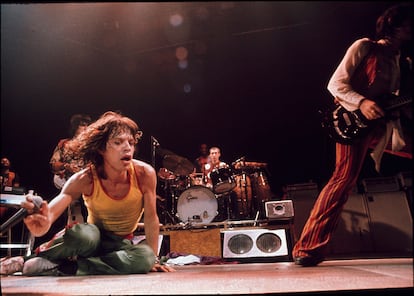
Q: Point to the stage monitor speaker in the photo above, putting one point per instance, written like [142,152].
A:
[254,243]
[352,236]
[391,222]
[406,179]
[282,209]
[381,184]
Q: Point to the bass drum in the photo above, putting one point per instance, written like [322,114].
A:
[197,205]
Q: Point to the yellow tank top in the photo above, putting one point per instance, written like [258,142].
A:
[119,216]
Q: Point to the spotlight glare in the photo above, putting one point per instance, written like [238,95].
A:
[183,64]
[176,20]
[187,88]
[181,53]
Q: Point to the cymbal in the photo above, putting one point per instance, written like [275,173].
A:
[162,152]
[178,165]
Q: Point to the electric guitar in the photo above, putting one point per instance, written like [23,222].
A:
[59,181]
[345,126]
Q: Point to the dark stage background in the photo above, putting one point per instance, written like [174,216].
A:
[256,76]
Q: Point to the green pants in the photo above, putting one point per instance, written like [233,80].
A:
[97,251]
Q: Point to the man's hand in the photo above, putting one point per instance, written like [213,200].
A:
[162,268]
[37,222]
[371,110]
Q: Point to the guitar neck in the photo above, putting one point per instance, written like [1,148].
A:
[398,102]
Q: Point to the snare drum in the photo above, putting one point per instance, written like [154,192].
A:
[197,205]
[223,180]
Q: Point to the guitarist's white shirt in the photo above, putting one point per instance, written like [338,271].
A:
[386,80]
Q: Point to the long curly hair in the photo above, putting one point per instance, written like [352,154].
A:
[76,120]
[94,138]
[392,18]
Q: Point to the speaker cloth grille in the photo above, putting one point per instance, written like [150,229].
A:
[254,243]
[240,244]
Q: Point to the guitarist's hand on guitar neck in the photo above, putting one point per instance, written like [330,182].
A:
[371,110]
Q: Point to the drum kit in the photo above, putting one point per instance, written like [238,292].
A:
[234,192]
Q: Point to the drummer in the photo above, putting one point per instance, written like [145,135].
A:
[215,163]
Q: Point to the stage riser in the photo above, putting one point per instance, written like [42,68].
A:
[217,243]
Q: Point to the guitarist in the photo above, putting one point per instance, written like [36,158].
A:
[369,69]
[64,164]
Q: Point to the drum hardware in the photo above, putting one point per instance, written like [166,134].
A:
[197,179]
[165,174]
[165,213]
[154,145]
[224,201]
[172,188]
[175,178]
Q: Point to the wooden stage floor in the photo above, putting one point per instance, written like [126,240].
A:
[392,276]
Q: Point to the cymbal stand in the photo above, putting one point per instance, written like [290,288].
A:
[171,196]
[228,203]
[165,213]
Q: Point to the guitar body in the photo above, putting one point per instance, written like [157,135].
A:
[76,208]
[345,126]
[58,181]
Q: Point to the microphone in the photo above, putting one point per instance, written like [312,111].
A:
[16,218]
[155,142]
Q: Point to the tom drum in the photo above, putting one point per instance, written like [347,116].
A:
[223,180]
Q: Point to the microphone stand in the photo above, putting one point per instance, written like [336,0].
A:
[154,145]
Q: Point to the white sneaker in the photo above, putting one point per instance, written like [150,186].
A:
[10,265]
[40,266]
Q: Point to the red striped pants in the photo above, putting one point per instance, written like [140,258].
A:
[326,211]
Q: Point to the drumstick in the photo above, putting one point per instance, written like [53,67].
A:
[256,218]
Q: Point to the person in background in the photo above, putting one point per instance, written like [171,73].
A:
[214,164]
[369,70]
[8,177]
[202,159]
[117,189]
[197,176]
[64,164]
